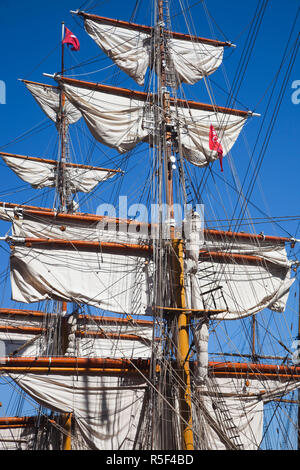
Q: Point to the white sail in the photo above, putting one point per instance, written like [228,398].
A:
[113,282]
[85,179]
[115,425]
[240,275]
[130,49]
[113,120]
[113,343]
[14,438]
[127,48]
[121,122]
[48,98]
[25,335]
[243,276]
[194,127]
[41,174]
[240,408]
[194,60]
[116,282]
[6,213]
[106,409]
[36,173]
[243,287]
[16,333]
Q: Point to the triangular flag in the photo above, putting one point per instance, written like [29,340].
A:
[214,144]
[71,40]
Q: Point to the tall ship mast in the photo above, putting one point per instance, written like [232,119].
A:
[140,325]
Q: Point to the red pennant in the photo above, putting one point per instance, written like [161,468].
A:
[214,144]
[71,40]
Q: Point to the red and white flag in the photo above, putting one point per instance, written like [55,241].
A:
[71,40]
[214,144]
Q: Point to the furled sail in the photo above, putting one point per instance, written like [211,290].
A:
[48,98]
[42,173]
[24,334]
[118,118]
[129,46]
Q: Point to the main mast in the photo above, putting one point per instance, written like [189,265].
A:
[64,207]
[177,249]
[62,183]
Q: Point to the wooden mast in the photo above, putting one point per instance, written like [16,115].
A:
[62,182]
[176,261]
[67,417]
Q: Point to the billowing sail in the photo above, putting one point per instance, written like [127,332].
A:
[112,282]
[243,287]
[239,273]
[129,46]
[42,173]
[48,98]
[119,119]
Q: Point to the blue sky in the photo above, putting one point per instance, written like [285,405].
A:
[30,34]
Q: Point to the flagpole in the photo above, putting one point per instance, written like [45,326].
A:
[62,47]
